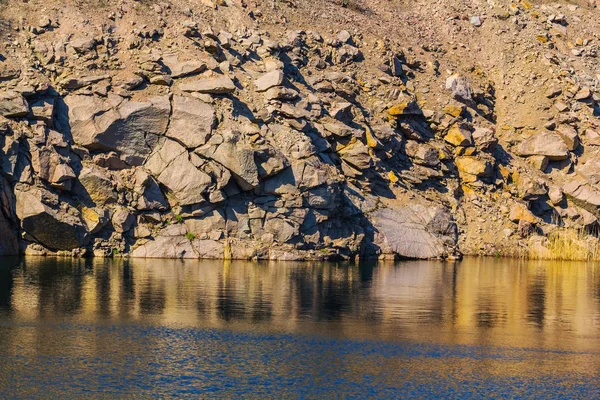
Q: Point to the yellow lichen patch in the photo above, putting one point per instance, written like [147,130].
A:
[542,38]
[504,172]
[371,141]
[527,5]
[453,110]
[398,109]
[393,177]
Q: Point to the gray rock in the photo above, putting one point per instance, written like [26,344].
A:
[165,247]
[95,184]
[151,197]
[237,157]
[179,69]
[415,231]
[13,104]
[129,128]
[460,87]
[269,80]
[219,85]
[546,144]
[192,121]
[122,221]
[49,227]
[173,168]
[357,155]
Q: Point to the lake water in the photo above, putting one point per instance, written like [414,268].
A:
[221,329]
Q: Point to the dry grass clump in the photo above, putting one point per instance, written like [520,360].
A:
[566,244]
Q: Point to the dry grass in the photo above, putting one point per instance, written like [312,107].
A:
[567,245]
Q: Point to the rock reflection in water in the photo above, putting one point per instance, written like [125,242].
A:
[126,328]
[479,300]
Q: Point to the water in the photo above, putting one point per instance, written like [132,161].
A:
[214,329]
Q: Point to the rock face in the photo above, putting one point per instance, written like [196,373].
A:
[130,128]
[53,230]
[416,231]
[546,144]
[150,131]
[13,104]
[192,122]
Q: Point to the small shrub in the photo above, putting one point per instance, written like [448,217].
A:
[179,218]
[190,236]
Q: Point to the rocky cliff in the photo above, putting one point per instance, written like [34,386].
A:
[295,130]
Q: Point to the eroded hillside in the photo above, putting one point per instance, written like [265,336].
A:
[295,130]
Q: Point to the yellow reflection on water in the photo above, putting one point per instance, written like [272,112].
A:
[478,301]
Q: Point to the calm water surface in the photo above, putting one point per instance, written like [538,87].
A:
[214,329]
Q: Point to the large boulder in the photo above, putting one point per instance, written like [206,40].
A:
[173,168]
[150,195]
[171,242]
[584,194]
[231,152]
[53,229]
[546,144]
[269,80]
[416,231]
[12,104]
[96,185]
[218,85]
[130,128]
[460,87]
[192,121]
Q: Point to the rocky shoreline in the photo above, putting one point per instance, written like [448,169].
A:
[160,131]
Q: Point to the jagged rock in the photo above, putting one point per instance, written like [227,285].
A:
[74,83]
[459,135]
[129,128]
[122,221]
[219,85]
[94,218]
[170,243]
[63,177]
[519,212]
[472,168]
[583,193]
[281,93]
[172,166]
[83,45]
[404,109]
[485,139]
[49,227]
[13,104]
[236,156]
[180,69]
[192,121]
[460,87]
[546,144]
[357,155]
[423,154]
[96,185]
[209,226]
[43,109]
[151,197]
[269,80]
[569,136]
[416,231]
[209,249]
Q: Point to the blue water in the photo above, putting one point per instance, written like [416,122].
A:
[84,331]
